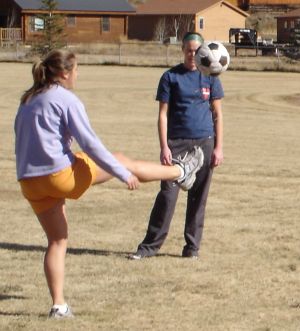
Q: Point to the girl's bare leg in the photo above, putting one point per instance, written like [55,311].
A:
[145,171]
[55,225]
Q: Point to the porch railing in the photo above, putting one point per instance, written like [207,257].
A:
[10,36]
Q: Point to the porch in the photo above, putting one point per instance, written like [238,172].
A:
[10,36]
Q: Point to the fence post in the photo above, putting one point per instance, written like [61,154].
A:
[120,52]
[167,54]
[0,37]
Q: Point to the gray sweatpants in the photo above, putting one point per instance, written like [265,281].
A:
[166,199]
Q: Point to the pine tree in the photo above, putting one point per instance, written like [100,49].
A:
[53,36]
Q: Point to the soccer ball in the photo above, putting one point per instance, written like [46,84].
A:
[212,58]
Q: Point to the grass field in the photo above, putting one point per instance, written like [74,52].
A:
[248,274]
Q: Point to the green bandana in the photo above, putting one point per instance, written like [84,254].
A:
[193,36]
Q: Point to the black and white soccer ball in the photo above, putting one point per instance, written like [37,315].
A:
[212,58]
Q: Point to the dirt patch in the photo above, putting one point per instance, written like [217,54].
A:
[293,99]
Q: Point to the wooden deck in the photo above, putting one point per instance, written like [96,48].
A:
[10,36]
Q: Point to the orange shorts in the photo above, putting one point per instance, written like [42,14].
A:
[44,192]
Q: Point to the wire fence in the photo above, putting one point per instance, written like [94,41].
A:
[153,54]
[122,53]
[126,53]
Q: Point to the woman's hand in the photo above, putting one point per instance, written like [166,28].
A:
[217,157]
[166,156]
[132,183]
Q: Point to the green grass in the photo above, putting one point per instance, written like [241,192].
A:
[247,277]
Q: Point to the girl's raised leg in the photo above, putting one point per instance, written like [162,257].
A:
[145,171]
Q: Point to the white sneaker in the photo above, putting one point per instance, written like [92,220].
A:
[140,255]
[56,313]
[190,163]
[135,257]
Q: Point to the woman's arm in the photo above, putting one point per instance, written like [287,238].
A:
[218,156]
[165,153]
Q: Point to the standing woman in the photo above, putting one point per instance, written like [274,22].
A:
[189,114]
[49,117]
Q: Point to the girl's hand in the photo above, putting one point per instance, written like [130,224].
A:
[132,183]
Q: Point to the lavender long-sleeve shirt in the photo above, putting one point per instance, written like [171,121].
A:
[45,127]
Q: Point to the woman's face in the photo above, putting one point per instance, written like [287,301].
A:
[189,50]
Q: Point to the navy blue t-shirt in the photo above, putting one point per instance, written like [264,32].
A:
[189,94]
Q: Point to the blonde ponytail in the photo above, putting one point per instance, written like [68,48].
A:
[38,73]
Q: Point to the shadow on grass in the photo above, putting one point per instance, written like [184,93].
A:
[4,313]
[10,297]
[73,251]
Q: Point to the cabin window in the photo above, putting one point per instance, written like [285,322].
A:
[105,24]
[36,24]
[292,24]
[201,23]
[71,20]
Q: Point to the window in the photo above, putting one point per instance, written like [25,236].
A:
[71,20]
[201,23]
[36,24]
[292,24]
[285,25]
[105,24]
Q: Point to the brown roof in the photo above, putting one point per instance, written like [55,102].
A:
[177,7]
